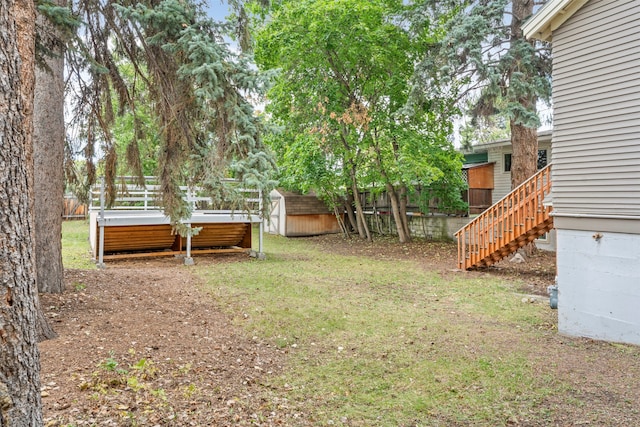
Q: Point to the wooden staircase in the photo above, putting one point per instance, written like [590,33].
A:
[516,220]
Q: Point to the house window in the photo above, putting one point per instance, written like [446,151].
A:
[542,160]
[507,162]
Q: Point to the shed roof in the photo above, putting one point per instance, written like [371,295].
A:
[553,14]
[476,165]
[303,204]
[543,136]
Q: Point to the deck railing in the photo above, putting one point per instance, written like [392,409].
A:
[514,220]
[135,197]
[144,200]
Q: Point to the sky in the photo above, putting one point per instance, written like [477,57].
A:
[217,9]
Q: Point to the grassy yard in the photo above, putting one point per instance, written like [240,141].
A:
[377,341]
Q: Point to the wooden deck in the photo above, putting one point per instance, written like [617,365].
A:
[122,240]
[151,239]
[136,228]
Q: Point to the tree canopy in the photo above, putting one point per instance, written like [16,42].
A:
[341,101]
[484,55]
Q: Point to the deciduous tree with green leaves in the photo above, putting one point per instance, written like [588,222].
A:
[342,102]
[484,51]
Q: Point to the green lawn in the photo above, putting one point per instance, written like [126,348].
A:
[76,251]
[388,343]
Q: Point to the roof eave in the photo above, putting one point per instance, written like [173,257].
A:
[543,136]
[553,14]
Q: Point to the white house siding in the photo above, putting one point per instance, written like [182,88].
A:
[502,179]
[596,93]
[598,289]
[596,172]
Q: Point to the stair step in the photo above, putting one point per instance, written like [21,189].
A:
[498,223]
[514,245]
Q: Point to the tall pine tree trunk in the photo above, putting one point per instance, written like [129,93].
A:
[524,140]
[48,157]
[524,160]
[20,401]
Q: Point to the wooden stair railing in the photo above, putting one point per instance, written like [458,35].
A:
[517,219]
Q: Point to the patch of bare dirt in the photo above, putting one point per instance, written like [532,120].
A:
[140,344]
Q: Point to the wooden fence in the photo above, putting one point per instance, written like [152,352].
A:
[73,208]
